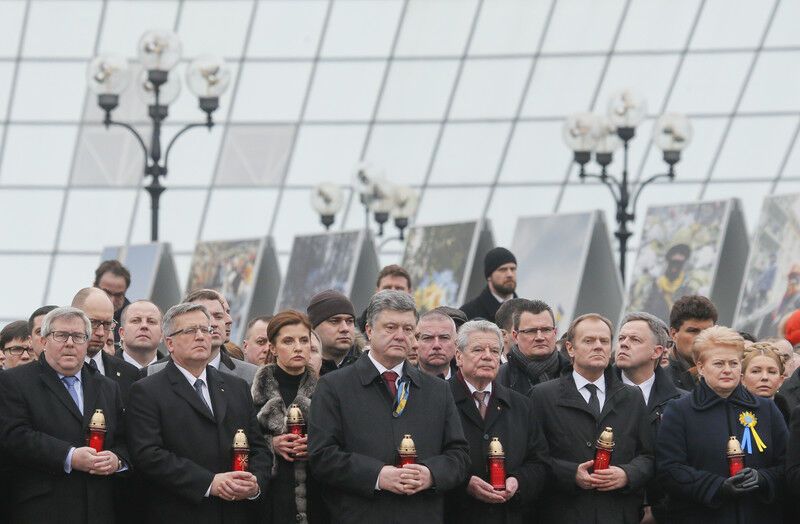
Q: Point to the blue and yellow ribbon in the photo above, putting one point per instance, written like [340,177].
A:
[749,421]
[401,399]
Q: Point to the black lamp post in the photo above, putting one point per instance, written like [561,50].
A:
[586,133]
[159,52]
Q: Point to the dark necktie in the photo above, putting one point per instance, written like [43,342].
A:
[594,402]
[390,378]
[92,364]
[198,386]
[480,398]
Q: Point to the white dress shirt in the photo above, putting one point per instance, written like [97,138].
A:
[645,387]
[381,369]
[130,360]
[215,361]
[98,360]
[580,382]
[472,389]
[192,379]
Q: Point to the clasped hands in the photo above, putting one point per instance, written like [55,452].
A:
[483,491]
[95,462]
[743,482]
[234,485]
[408,480]
[291,447]
[602,480]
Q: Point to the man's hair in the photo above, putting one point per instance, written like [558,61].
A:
[124,314]
[16,329]
[178,310]
[569,336]
[115,268]
[393,270]
[433,314]
[534,307]
[749,337]
[66,312]
[692,307]
[202,294]
[477,326]
[286,318]
[657,326]
[714,337]
[38,313]
[389,300]
[261,318]
[504,317]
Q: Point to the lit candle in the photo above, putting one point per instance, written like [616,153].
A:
[604,447]
[97,431]
[735,456]
[241,451]
[497,465]
[407,452]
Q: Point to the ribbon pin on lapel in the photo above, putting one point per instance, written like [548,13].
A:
[749,421]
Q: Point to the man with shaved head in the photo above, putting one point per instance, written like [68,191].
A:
[97,306]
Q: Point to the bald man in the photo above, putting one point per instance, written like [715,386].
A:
[98,307]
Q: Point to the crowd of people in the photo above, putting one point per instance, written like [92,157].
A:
[114,411]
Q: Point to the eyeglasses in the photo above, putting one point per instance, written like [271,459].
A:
[111,294]
[18,350]
[63,336]
[545,331]
[108,325]
[205,330]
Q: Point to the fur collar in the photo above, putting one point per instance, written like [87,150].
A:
[267,398]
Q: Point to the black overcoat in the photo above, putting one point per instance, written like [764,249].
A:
[352,434]
[39,423]
[483,306]
[571,431]
[178,446]
[691,460]
[509,417]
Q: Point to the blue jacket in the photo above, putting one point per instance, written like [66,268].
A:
[691,462]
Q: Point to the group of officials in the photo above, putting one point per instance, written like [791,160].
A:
[480,415]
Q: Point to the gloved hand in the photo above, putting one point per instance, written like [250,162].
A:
[732,486]
[751,479]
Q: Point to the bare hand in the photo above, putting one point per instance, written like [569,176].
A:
[83,459]
[416,478]
[389,480]
[648,517]
[610,479]
[105,463]
[301,448]
[284,445]
[512,485]
[583,478]
[244,484]
[483,491]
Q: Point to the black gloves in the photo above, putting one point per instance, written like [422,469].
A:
[745,481]
[752,479]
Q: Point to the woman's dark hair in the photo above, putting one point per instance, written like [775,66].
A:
[286,318]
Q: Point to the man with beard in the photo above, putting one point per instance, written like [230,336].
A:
[671,285]
[500,270]
[140,333]
[333,317]
[97,306]
[436,333]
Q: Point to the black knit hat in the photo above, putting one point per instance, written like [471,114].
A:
[328,303]
[496,258]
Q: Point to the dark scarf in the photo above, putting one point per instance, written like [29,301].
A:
[537,371]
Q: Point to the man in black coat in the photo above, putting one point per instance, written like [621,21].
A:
[98,307]
[181,427]
[333,317]
[500,270]
[489,410]
[533,357]
[689,316]
[359,416]
[45,411]
[573,411]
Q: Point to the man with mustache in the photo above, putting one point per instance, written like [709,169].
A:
[500,270]
[333,317]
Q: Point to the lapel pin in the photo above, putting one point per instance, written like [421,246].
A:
[119,374]
[222,389]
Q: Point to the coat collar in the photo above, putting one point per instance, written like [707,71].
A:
[368,373]
[570,397]
[499,401]
[663,389]
[703,397]
[216,390]
[89,387]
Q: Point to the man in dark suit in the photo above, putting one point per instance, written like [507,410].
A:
[688,317]
[573,411]
[182,422]
[500,270]
[359,415]
[140,334]
[45,410]
[98,307]
[489,410]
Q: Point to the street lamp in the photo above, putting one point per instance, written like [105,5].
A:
[158,52]
[586,134]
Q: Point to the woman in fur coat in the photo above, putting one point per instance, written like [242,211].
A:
[290,380]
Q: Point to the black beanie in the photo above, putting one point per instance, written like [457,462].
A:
[326,304]
[496,258]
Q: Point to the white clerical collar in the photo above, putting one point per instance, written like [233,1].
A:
[382,369]
[580,381]
[646,387]
[130,360]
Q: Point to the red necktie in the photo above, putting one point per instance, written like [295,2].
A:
[390,377]
[480,397]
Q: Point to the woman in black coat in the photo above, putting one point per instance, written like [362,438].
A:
[691,461]
[290,380]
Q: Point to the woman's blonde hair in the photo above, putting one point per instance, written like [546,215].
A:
[716,336]
[762,349]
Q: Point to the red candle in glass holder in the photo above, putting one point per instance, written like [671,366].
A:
[97,431]
[407,452]
[497,465]
[604,447]
[241,451]
[735,456]
[294,421]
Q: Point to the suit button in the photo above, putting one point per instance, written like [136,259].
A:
[588,444]
[486,437]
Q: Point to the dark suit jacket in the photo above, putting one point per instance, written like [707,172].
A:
[788,397]
[482,306]
[39,423]
[571,430]
[352,435]
[509,416]
[121,372]
[178,446]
